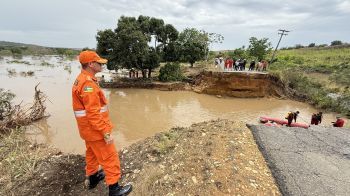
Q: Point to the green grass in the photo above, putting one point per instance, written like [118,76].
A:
[325,60]
[317,74]
[166,142]
[19,158]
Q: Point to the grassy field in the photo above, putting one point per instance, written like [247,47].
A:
[319,75]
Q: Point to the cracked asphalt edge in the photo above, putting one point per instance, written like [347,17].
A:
[279,177]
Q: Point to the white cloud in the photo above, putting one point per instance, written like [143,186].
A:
[344,6]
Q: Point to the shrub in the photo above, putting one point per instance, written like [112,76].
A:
[16,51]
[299,46]
[336,43]
[170,72]
[5,102]
[322,45]
[312,45]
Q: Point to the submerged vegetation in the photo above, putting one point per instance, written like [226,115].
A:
[19,158]
[15,116]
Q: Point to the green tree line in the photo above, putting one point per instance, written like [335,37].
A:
[142,43]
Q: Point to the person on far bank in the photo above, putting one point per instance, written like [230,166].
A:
[339,123]
[95,128]
[252,65]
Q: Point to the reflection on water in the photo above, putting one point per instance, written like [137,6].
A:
[136,113]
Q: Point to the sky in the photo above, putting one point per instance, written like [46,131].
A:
[74,23]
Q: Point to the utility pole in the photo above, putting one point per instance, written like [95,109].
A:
[281,32]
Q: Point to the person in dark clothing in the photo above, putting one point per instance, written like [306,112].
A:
[252,65]
[295,115]
[237,63]
[290,117]
[319,117]
[314,120]
[244,63]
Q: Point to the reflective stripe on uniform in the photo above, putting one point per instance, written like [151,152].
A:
[103,109]
[81,113]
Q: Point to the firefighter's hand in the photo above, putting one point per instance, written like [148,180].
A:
[108,138]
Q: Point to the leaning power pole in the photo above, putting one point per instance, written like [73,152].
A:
[281,32]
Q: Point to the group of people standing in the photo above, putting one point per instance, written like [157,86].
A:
[231,64]
[316,118]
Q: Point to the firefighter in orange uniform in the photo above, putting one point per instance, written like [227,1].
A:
[95,127]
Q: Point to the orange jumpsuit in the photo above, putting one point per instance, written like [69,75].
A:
[92,115]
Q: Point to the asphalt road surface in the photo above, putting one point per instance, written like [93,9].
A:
[314,161]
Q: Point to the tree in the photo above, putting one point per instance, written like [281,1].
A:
[311,45]
[171,52]
[193,45]
[106,46]
[152,60]
[240,53]
[156,29]
[128,45]
[170,34]
[212,38]
[259,48]
[336,43]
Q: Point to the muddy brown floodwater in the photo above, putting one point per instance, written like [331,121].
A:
[136,113]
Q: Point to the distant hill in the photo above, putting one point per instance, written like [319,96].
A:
[14,44]
[13,48]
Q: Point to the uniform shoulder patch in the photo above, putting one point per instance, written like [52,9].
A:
[88,78]
[88,89]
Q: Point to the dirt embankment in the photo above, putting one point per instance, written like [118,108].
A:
[146,84]
[232,84]
[236,84]
[210,158]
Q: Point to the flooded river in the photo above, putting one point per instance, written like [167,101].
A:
[136,113]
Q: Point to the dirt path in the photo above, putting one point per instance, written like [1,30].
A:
[210,158]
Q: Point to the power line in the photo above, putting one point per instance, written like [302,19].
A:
[281,32]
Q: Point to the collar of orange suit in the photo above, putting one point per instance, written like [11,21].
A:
[89,74]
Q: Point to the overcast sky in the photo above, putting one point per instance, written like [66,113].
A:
[74,23]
